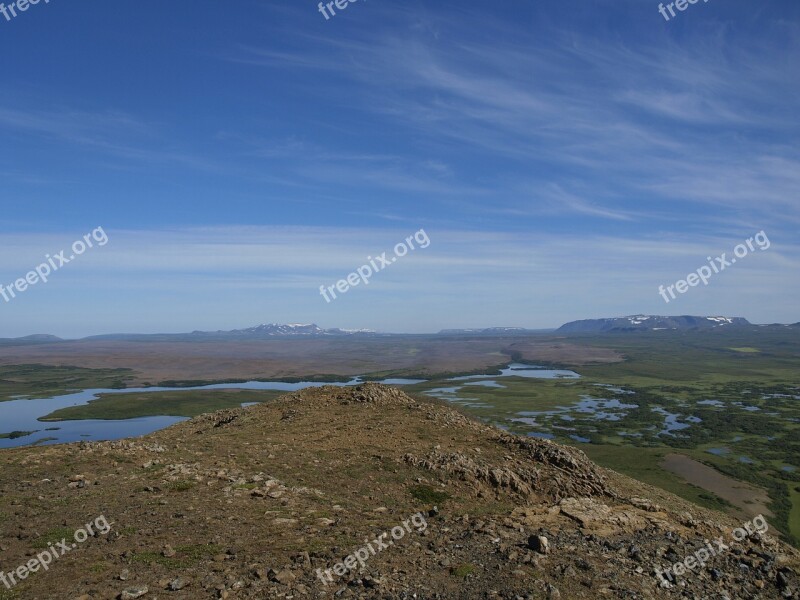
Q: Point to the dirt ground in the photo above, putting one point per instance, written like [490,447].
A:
[282,358]
[749,499]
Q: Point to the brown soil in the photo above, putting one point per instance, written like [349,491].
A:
[749,499]
[284,358]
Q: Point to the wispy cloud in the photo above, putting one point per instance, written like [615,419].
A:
[660,123]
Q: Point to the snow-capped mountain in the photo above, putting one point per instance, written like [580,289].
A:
[650,323]
[486,331]
[279,329]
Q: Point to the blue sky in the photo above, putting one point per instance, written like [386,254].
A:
[564,158]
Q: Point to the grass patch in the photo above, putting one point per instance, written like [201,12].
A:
[53,537]
[462,571]
[246,486]
[794,516]
[185,556]
[100,567]
[427,495]
[179,486]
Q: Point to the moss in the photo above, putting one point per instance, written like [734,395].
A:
[462,571]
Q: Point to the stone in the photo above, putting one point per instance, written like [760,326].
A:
[177,584]
[134,592]
[285,576]
[539,543]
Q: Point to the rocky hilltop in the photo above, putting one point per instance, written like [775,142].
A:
[361,492]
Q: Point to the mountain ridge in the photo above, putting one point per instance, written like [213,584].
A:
[310,330]
[651,323]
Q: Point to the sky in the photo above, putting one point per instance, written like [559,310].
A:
[564,160]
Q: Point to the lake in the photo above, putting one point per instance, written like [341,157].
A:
[24,415]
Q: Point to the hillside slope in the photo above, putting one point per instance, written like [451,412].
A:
[261,502]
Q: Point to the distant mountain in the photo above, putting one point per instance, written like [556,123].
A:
[489,331]
[650,323]
[277,329]
[267,330]
[39,338]
[272,329]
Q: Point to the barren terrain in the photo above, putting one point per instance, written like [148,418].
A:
[287,358]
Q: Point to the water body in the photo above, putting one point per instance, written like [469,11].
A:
[458,394]
[719,451]
[24,415]
[616,390]
[451,394]
[522,370]
[489,384]
[711,403]
[671,422]
[602,409]
[538,434]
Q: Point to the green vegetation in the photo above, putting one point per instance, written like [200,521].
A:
[53,537]
[427,495]
[179,486]
[462,571]
[44,381]
[44,440]
[794,517]
[185,556]
[15,434]
[100,567]
[175,404]
[246,486]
